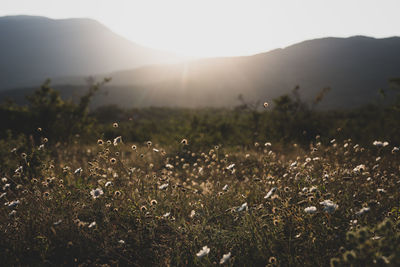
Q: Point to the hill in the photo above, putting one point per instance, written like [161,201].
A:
[36,48]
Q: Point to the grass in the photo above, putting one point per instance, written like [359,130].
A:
[162,205]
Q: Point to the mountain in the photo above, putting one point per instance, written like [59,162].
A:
[35,48]
[354,68]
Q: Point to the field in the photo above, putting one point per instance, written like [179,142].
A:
[282,186]
[113,203]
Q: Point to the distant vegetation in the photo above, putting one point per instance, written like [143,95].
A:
[284,185]
[287,119]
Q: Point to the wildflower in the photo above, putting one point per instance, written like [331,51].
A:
[12,213]
[272,260]
[143,208]
[122,242]
[6,186]
[225,188]
[163,186]
[377,143]
[313,189]
[192,213]
[149,143]
[156,150]
[310,210]
[117,140]
[381,190]
[3,195]
[96,193]
[19,169]
[359,168]
[115,125]
[166,215]
[267,144]
[203,252]
[230,166]
[92,224]
[184,141]
[78,171]
[273,189]
[265,104]
[100,142]
[113,160]
[242,207]
[362,211]
[133,147]
[109,183]
[395,149]
[169,166]
[385,144]
[117,193]
[153,202]
[225,258]
[329,206]
[13,204]
[57,222]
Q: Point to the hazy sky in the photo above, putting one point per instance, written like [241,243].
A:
[224,27]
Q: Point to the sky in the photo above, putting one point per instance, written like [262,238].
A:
[206,28]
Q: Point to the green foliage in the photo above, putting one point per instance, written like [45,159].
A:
[58,119]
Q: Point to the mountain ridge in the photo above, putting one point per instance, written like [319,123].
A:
[37,48]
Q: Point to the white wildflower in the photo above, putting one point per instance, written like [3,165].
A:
[78,171]
[378,143]
[192,213]
[163,186]
[362,211]
[359,168]
[19,169]
[329,206]
[231,166]
[203,252]
[92,224]
[13,204]
[269,194]
[243,207]
[117,140]
[109,183]
[12,213]
[225,188]
[310,210]
[225,258]
[385,144]
[96,193]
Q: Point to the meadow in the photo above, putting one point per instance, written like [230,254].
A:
[243,187]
